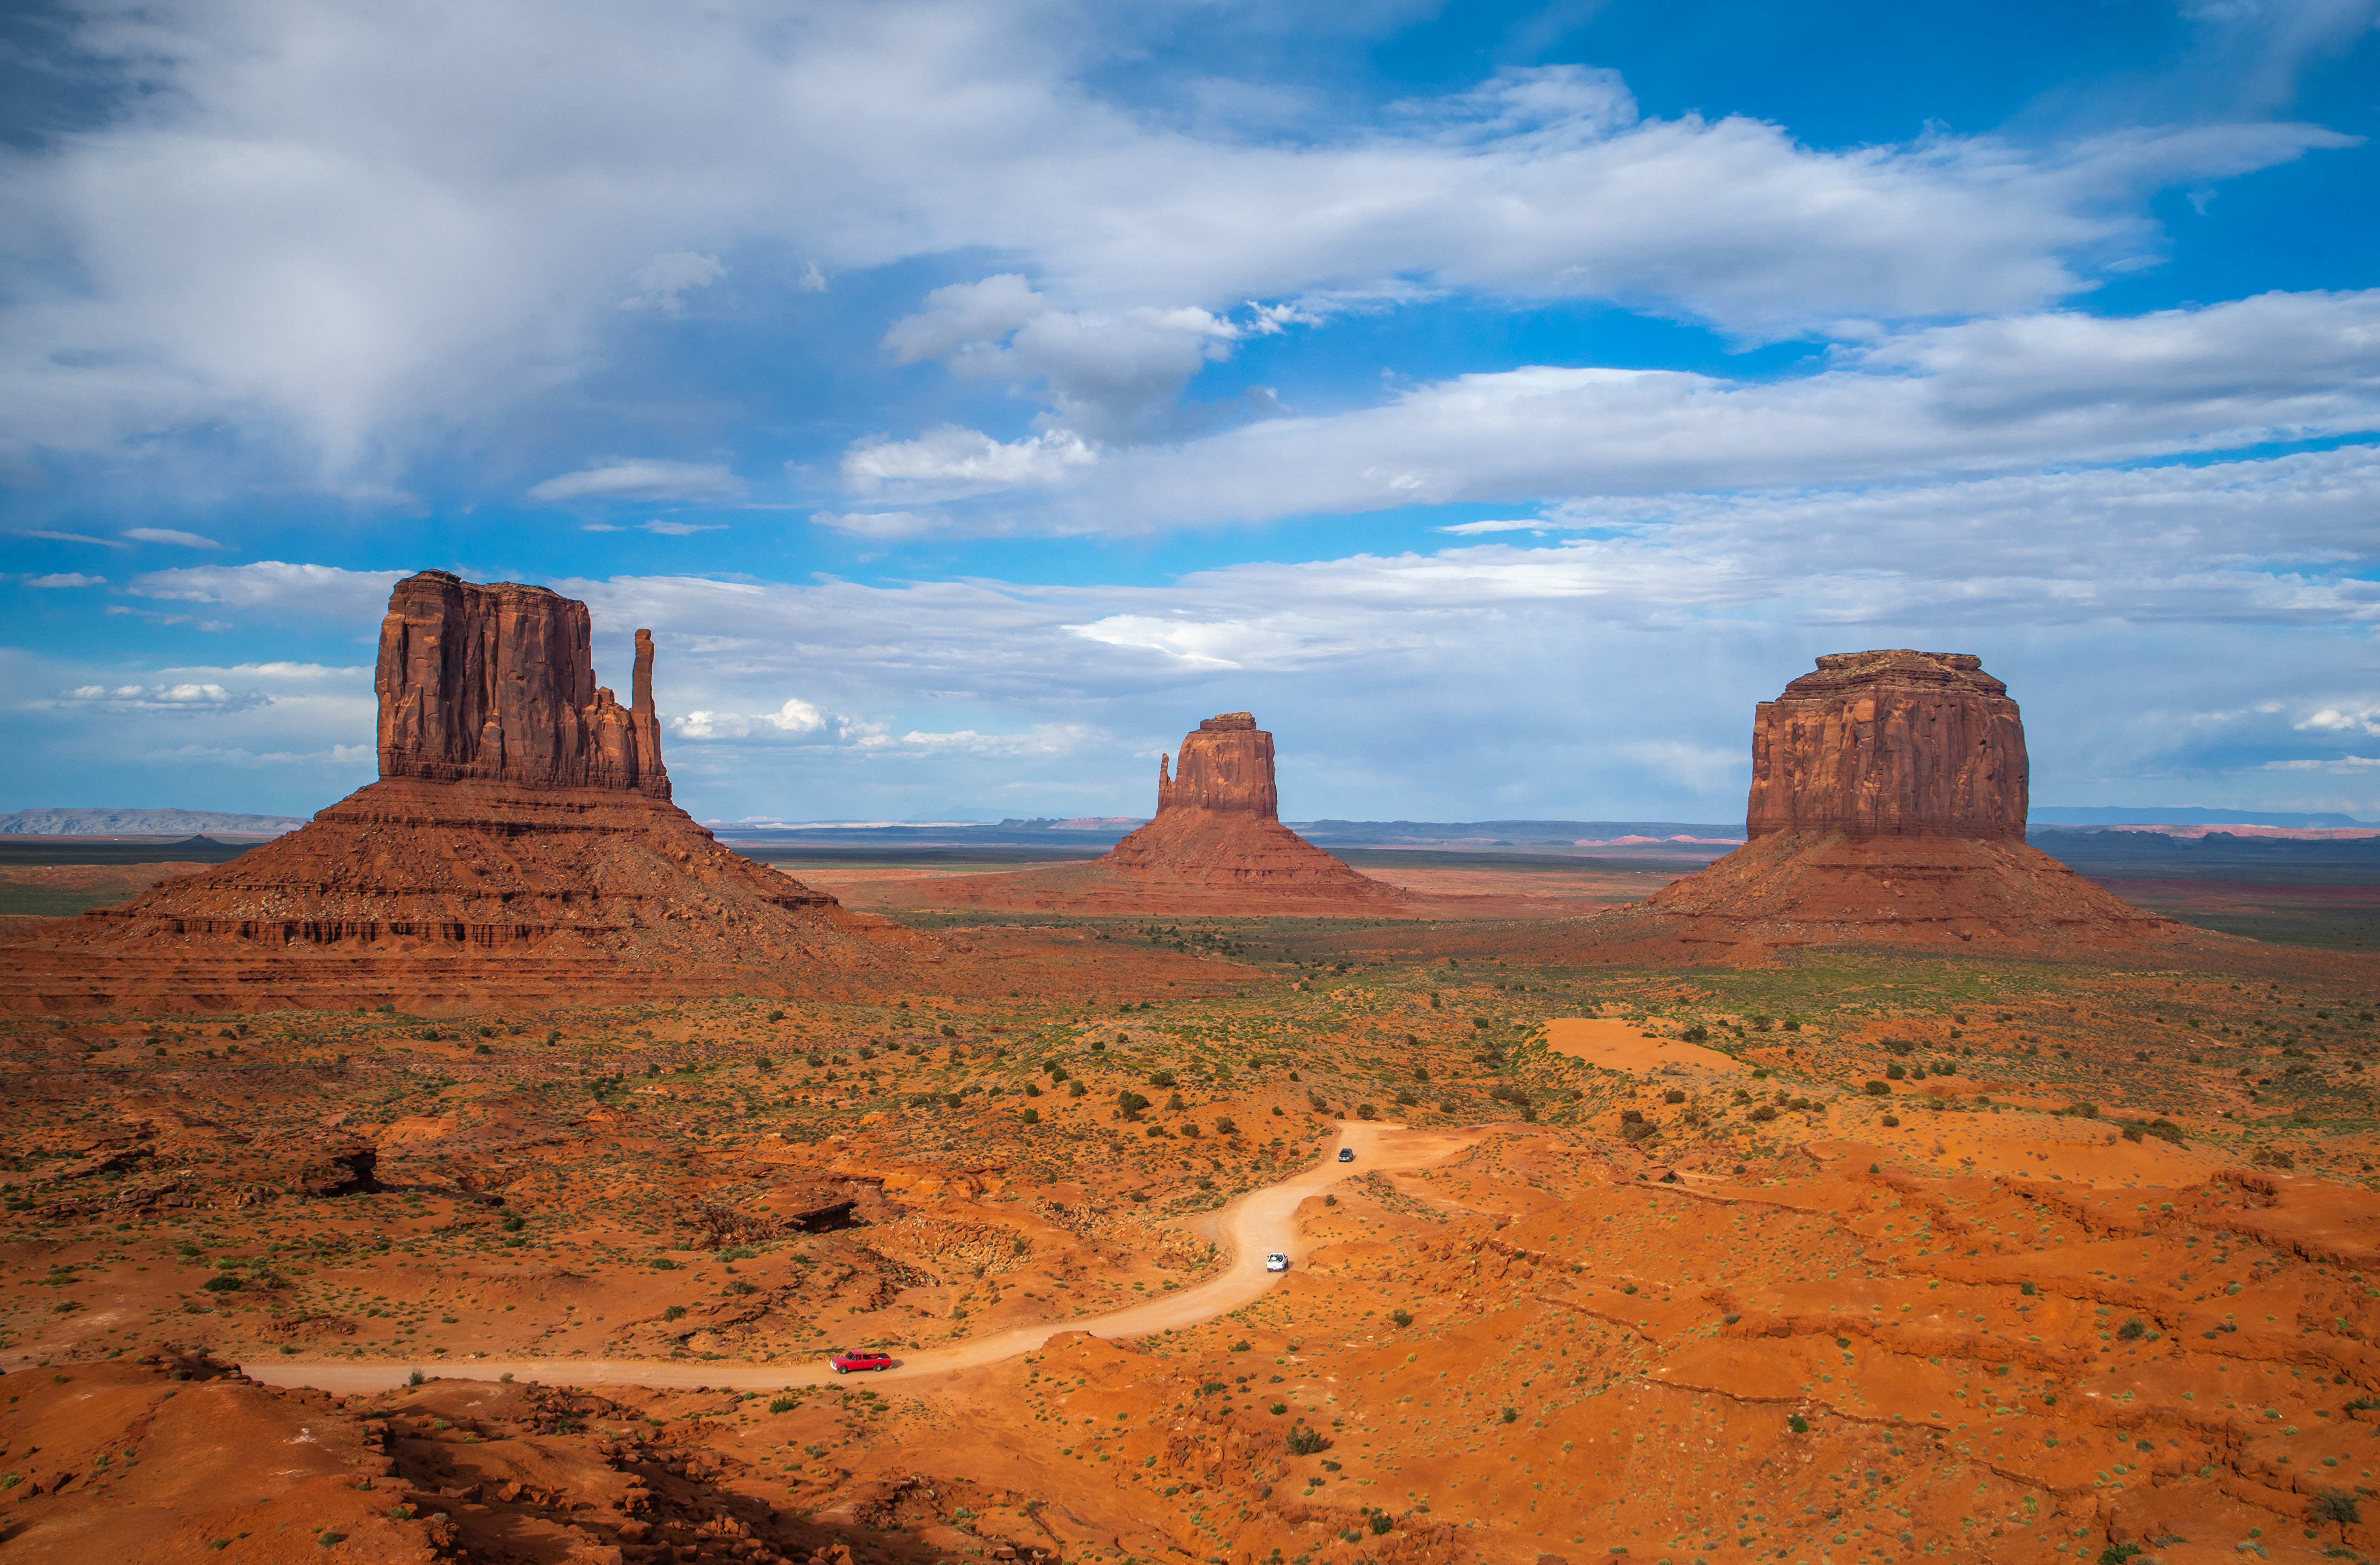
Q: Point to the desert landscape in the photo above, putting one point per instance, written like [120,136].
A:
[490,1170]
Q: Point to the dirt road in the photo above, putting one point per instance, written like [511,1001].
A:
[1258,1223]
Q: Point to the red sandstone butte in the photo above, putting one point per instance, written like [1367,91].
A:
[495,684]
[1216,846]
[1889,796]
[1895,743]
[521,843]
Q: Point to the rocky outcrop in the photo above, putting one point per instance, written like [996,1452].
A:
[1887,804]
[1890,744]
[497,683]
[519,844]
[1216,846]
[1226,765]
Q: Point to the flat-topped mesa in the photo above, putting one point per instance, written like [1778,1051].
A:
[1226,765]
[497,683]
[1890,744]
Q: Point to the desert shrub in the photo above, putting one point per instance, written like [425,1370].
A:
[2026,1289]
[1075,1089]
[1402,1317]
[1698,1034]
[1030,1116]
[2272,1158]
[662,1263]
[1512,1415]
[1405,1100]
[1896,1071]
[1161,1078]
[2083,1111]
[1381,1524]
[783,1404]
[1792,1025]
[1173,1104]
[1226,1125]
[1798,1423]
[2131,1331]
[1675,1095]
[1895,1046]
[1132,1103]
[1761,1024]
[1876,1090]
[1946,1067]
[1891,1121]
[674,1311]
[1306,1440]
[1765,1113]
[765,1062]
[776,1015]
[1631,1116]
[2163,1130]
[1367,1111]
[225,1284]
[1481,1022]
[1031,1090]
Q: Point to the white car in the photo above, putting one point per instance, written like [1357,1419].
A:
[1276,1262]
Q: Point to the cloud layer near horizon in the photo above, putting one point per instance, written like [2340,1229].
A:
[1534,653]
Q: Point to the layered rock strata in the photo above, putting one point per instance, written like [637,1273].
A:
[520,840]
[1216,846]
[1887,803]
[1890,744]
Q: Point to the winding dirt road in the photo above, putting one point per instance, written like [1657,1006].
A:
[1258,1223]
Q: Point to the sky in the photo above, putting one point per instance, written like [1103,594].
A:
[1497,400]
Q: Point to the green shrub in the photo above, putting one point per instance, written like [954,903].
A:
[1303,1439]
[1402,1317]
[674,1311]
[225,1284]
[1798,1423]
[1876,1090]
[783,1404]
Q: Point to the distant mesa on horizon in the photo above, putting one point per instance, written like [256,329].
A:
[166,821]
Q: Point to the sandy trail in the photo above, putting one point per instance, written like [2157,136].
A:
[1258,1223]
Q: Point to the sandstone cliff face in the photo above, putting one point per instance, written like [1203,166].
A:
[1887,804]
[497,683]
[1226,765]
[519,843]
[1890,744]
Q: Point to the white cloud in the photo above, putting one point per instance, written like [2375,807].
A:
[1112,375]
[1986,396]
[68,537]
[274,585]
[642,480]
[950,461]
[65,578]
[167,535]
[879,524]
[663,282]
[2341,764]
[683,529]
[296,230]
[2336,719]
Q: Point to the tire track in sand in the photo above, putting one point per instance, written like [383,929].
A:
[1261,1222]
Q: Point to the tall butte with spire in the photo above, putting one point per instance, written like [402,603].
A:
[1888,799]
[1216,846]
[521,843]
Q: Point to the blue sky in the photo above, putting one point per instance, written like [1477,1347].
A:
[1497,400]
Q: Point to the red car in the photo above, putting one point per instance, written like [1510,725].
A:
[859,1358]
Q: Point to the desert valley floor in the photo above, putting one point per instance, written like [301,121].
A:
[1839,1255]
